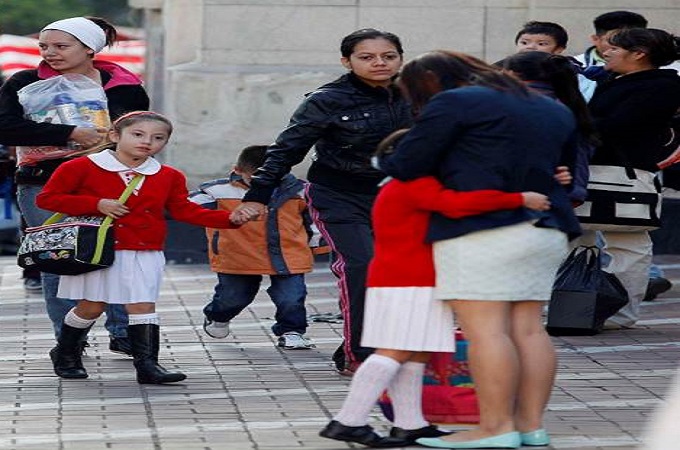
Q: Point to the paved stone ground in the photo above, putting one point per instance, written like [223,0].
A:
[244,393]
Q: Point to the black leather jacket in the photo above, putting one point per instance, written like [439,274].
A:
[344,120]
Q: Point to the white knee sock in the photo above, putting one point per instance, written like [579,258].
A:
[72,320]
[143,319]
[406,392]
[368,382]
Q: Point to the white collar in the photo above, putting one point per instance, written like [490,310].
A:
[107,161]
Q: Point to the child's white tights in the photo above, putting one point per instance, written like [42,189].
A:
[406,393]
[368,383]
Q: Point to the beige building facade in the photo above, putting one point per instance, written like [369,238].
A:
[230,72]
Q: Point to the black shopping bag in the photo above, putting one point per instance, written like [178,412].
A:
[584,295]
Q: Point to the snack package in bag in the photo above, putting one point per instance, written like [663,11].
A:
[70,99]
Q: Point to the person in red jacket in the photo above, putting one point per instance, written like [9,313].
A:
[91,185]
[402,320]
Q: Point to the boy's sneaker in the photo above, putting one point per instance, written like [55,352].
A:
[33,284]
[292,340]
[217,330]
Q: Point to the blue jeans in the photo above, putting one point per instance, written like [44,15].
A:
[116,316]
[234,292]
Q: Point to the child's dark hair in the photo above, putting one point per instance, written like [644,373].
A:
[615,20]
[661,47]
[134,117]
[351,40]
[552,29]
[559,73]
[109,29]
[252,157]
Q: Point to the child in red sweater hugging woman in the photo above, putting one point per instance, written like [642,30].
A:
[402,320]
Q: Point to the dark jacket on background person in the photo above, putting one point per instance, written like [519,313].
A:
[632,114]
[345,120]
[124,93]
[475,138]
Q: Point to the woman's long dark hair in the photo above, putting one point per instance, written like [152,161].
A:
[559,74]
[452,70]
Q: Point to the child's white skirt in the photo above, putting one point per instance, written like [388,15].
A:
[407,318]
[134,277]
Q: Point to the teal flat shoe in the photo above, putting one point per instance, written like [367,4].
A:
[507,440]
[536,438]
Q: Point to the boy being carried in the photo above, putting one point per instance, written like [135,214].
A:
[277,244]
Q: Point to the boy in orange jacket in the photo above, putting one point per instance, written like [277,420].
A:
[277,244]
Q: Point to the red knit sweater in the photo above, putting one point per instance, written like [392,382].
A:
[76,187]
[401,215]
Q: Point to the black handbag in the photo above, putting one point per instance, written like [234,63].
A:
[74,245]
[584,295]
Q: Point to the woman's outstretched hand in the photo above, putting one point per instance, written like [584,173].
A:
[246,212]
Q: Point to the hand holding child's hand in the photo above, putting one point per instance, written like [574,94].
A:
[246,212]
[536,201]
[563,176]
[112,208]
[239,217]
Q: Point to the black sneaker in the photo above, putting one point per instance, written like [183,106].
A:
[656,286]
[120,345]
[33,284]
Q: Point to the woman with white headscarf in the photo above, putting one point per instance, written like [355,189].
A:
[67,46]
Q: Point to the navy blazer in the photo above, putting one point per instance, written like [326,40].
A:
[475,137]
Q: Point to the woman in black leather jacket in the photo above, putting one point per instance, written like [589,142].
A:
[344,120]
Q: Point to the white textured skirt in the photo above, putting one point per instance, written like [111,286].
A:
[407,318]
[134,277]
[512,263]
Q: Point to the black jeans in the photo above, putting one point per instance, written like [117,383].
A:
[344,219]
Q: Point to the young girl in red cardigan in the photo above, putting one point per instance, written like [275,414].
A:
[402,320]
[91,185]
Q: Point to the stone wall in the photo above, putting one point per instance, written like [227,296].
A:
[236,69]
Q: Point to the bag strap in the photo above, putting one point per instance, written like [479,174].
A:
[56,217]
[106,223]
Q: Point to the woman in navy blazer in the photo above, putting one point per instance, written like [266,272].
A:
[477,128]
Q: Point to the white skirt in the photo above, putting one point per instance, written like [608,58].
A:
[407,318]
[513,263]
[134,277]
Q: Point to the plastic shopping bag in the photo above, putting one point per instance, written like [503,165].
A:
[584,295]
[70,99]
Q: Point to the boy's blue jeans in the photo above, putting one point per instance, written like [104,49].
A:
[116,316]
[233,293]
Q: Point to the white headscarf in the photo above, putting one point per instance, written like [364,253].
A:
[86,31]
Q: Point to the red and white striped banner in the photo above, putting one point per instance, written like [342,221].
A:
[21,52]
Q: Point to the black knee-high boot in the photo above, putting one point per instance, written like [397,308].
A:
[145,339]
[66,356]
